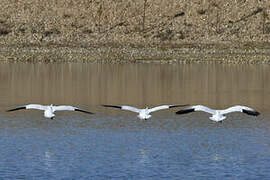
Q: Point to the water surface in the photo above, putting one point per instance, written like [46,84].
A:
[114,144]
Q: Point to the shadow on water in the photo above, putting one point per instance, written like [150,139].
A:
[115,144]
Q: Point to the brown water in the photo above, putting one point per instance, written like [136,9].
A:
[136,84]
[114,144]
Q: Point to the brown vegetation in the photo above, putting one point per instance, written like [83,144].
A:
[97,23]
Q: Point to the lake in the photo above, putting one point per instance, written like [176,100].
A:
[115,144]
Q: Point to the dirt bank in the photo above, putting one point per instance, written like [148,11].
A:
[233,31]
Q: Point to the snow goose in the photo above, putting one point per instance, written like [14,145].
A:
[218,115]
[49,110]
[144,114]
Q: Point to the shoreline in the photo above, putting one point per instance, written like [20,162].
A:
[141,31]
[166,53]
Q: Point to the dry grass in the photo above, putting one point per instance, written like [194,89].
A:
[92,23]
[34,21]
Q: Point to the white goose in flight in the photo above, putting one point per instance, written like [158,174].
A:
[144,113]
[49,110]
[218,115]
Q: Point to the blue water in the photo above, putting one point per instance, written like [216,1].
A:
[122,147]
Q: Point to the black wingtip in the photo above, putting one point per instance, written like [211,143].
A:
[114,106]
[15,109]
[178,105]
[252,113]
[84,111]
[184,111]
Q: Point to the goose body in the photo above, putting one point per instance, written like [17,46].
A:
[143,113]
[218,115]
[49,111]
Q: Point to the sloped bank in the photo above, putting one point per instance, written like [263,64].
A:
[237,53]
